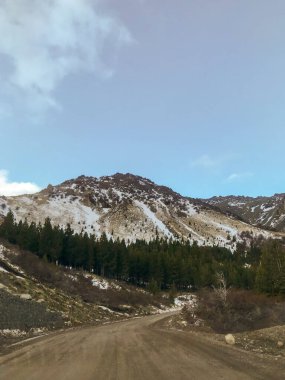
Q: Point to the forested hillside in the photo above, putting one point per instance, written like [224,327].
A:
[158,264]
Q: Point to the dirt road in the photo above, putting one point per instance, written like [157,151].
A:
[134,349]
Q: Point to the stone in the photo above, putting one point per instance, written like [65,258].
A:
[230,339]
[26,297]
[280,344]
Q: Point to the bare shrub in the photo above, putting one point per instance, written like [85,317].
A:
[61,278]
[242,311]
[189,315]
[221,290]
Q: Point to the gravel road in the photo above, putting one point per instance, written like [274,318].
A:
[133,349]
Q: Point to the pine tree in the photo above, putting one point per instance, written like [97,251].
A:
[8,228]
[46,240]
[271,271]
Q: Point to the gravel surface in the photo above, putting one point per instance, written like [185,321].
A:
[135,349]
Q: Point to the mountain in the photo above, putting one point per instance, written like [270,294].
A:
[129,207]
[264,212]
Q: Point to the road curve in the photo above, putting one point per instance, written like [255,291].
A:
[134,349]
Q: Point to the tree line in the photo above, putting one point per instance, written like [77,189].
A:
[160,262]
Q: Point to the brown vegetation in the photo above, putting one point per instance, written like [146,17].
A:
[241,311]
[62,279]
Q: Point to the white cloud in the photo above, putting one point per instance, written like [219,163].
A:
[206,162]
[238,176]
[15,188]
[43,41]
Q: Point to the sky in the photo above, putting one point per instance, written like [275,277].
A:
[188,93]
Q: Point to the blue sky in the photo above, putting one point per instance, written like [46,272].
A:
[189,93]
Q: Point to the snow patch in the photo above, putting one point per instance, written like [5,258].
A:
[151,215]
[185,300]
[13,333]
[73,278]
[106,309]
[98,282]
[266,208]
[191,209]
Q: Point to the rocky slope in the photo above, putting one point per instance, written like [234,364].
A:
[37,297]
[265,212]
[129,207]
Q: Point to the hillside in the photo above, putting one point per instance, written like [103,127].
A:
[37,297]
[265,212]
[129,207]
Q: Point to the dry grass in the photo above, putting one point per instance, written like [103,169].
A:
[242,311]
[61,278]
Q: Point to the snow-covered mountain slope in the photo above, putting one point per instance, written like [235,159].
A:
[128,207]
[265,212]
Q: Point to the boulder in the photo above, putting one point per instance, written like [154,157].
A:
[230,339]
[280,344]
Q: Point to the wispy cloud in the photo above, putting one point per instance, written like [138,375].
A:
[233,177]
[43,41]
[15,188]
[206,162]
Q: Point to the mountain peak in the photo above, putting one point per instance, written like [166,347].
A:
[130,207]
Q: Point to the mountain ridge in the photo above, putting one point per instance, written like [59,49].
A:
[130,207]
[261,211]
